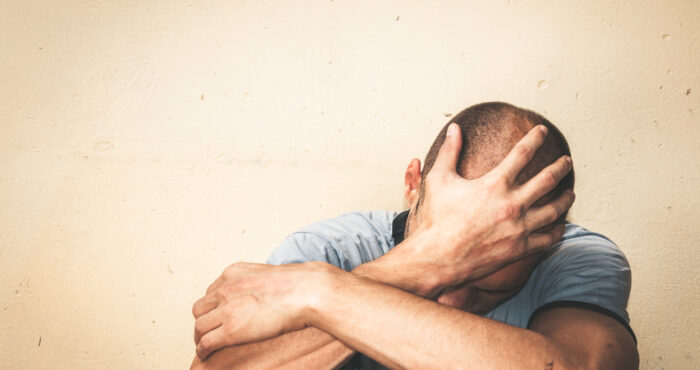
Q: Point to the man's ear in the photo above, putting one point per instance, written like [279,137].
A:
[412,180]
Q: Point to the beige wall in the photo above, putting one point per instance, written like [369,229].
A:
[145,145]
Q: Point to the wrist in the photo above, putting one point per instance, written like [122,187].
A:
[431,273]
[317,287]
[408,266]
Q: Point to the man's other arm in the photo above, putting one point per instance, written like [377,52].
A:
[401,330]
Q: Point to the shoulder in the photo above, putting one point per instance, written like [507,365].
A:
[578,240]
[584,269]
[582,290]
[345,241]
[583,249]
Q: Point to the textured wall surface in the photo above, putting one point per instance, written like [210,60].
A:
[146,145]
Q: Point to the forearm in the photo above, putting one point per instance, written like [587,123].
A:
[303,349]
[310,347]
[404,331]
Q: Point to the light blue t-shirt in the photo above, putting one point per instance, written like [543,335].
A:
[584,270]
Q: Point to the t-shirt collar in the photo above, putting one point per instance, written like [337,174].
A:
[398,227]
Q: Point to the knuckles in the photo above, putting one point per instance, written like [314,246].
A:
[197,309]
[233,270]
[549,179]
[553,214]
[198,330]
[511,210]
[229,327]
[224,291]
[204,346]
[238,268]
[494,181]
[517,235]
[523,151]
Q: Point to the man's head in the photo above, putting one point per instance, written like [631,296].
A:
[489,132]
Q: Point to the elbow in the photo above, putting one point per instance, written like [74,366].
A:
[623,361]
[612,355]
[615,359]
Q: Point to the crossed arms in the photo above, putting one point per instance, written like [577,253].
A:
[314,315]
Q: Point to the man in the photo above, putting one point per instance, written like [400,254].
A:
[482,244]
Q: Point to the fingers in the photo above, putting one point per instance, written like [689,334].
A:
[204,305]
[522,153]
[215,284]
[207,322]
[537,242]
[536,218]
[210,342]
[545,180]
[231,271]
[448,155]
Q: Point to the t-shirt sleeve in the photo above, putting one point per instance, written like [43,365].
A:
[303,247]
[588,271]
[346,241]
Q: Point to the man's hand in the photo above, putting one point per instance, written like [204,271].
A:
[471,228]
[251,302]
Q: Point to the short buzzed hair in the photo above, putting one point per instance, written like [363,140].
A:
[489,132]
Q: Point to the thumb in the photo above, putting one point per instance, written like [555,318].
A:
[448,155]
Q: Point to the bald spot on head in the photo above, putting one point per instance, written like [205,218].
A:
[490,131]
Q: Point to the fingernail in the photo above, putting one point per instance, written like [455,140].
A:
[543,128]
[451,129]
[569,160]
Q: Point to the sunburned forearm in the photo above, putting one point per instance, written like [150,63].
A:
[404,331]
